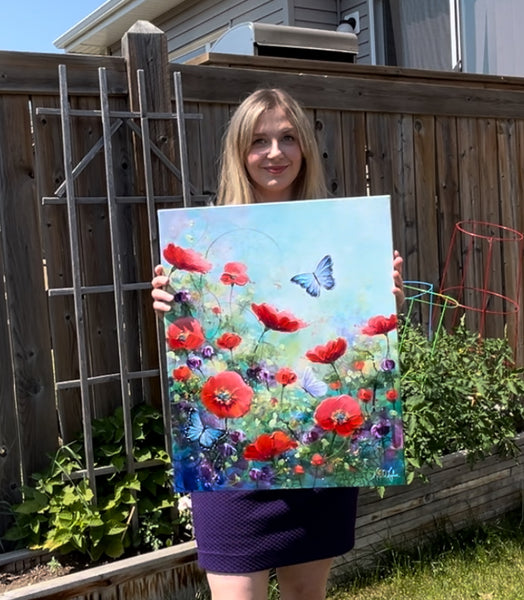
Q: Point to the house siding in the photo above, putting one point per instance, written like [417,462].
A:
[208,19]
[318,15]
[192,27]
[364,36]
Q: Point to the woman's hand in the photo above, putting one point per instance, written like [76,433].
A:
[161,298]
[398,282]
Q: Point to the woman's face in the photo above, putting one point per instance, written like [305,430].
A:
[274,158]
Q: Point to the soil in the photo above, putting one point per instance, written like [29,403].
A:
[10,580]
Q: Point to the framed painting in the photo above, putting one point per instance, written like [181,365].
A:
[281,345]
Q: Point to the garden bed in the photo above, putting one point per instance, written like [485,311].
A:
[455,494]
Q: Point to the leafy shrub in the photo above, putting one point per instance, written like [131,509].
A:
[461,392]
[59,512]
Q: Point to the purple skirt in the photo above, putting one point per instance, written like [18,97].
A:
[243,532]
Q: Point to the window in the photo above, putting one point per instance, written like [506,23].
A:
[492,36]
[413,33]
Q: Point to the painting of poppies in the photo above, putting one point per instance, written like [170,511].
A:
[281,345]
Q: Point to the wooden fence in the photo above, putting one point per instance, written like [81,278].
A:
[447,147]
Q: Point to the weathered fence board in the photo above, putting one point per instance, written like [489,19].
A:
[348,90]
[10,458]
[354,153]
[38,73]
[26,319]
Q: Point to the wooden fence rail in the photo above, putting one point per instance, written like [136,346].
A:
[447,147]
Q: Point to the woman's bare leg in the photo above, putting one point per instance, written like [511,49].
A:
[242,586]
[305,581]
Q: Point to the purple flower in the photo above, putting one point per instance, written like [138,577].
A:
[388,364]
[183,296]
[194,362]
[397,437]
[206,471]
[255,474]
[266,474]
[381,428]
[265,376]
[252,372]
[208,351]
[309,437]
[237,436]
[227,450]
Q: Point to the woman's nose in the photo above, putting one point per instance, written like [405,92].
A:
[274,149]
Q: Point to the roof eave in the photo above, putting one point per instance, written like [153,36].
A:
[107,24]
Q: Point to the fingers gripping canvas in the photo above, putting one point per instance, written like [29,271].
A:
[281,345]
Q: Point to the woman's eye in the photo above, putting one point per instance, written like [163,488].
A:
[288,138]
[259,142]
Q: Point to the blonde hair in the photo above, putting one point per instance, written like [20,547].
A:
[234,186]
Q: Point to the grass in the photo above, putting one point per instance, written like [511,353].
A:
[481,562]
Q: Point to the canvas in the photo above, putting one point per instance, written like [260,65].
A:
[282,345]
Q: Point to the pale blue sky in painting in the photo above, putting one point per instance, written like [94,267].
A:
[277,241]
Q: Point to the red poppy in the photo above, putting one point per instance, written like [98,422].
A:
[380,324]
[341,414]
[226,395]
[182,373]
[185,334]
[285,376]
[359,365]
[234,274]
[365,395]
[328,353]
[216,310]
[228,341]
[335,385]
[277,320]
[391,395]
[299,470]
[317,460]
[267,446]
[186,259]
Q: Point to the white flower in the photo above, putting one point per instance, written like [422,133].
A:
[184,503]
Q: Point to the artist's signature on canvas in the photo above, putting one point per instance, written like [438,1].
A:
[389,474]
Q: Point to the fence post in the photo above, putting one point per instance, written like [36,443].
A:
[144,47]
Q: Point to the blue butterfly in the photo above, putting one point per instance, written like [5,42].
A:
[197,431]
[322,277]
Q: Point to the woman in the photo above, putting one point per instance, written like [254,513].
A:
[270,155]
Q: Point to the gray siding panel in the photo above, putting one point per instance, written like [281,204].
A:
[319,15]
[364,37]
[194,20]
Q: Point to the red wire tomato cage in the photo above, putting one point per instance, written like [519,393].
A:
[483,273]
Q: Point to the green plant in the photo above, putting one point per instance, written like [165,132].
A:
[461,392]
[54,565]
[59,512]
